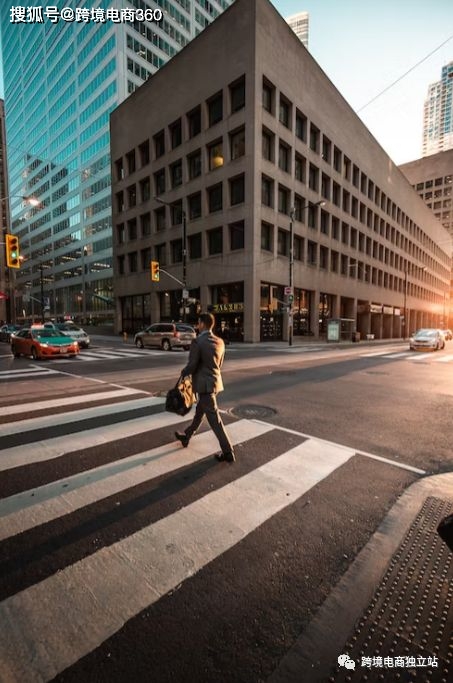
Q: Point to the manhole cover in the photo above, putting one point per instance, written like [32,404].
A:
[251,411]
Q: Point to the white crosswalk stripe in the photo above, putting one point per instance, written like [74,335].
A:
[413,356]
[25,373]
[53,623]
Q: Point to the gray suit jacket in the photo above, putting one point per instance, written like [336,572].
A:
[205,360]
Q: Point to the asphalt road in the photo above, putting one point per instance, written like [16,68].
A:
[236,559]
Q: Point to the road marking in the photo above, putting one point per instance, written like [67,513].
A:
[21,512]
[57,402]
[33,423]
[445,359]
[403,354]
[356,451]
[103,591]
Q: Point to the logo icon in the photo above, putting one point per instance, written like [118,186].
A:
[344,660]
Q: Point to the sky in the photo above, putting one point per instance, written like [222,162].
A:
[364,46]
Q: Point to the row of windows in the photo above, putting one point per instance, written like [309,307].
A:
[184,128]
[309,134]
[365,215]
[436,182]
[198,205]
[210,243]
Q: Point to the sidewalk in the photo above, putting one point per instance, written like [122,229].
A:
[391,614]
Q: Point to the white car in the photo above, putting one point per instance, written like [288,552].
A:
[427,339]
[70,329]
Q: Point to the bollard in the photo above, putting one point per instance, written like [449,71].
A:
[124,337]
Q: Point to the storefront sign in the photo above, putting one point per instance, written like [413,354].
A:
[388,310]
[228,308]
[333,330]
[375,308]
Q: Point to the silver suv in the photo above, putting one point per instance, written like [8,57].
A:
[166,336]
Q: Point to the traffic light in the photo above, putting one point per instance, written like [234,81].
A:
[155,271]
[12,251]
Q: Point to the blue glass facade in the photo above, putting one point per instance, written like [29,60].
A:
[62,81]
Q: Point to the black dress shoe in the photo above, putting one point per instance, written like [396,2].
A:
[183,438]
[225,457]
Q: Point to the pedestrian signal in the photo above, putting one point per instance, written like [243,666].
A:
[155,271]
[12,251]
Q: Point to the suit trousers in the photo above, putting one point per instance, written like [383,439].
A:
[207,405]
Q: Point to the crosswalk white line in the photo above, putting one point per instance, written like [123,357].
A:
[68,400]
[401,354]
[32,423]
[27,454]
[373,353]
[445,359]
[104,590]
[422,356]
[20,512]
[30,373]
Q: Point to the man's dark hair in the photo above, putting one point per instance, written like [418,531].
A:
[207,319]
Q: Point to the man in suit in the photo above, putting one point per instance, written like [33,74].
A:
[205,361]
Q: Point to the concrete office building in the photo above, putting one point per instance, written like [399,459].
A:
[438,114]
[239,157]
[299,23]
[62,80]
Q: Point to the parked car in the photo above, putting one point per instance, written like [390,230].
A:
[448,334]
[42,343]
[166,336]
[7,330]
[427,339]
[75,332]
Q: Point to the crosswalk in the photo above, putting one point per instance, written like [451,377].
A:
[104,517]
[413,356]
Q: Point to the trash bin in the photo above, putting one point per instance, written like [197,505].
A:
[356,336]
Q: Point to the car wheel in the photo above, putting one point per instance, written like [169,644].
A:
[34,354]
[139,343]
[186,348]
[16,354]
[166,346]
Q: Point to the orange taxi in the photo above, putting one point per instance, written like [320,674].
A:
[39,342]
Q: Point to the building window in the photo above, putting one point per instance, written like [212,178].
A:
[132,196]
[120,202]
[237,95]
[159,217]
[268,145]
[267,237]
[284,112]
[130,158]
[215,241]
[299,168]
[312,249]
[268,97]
[284,153]
[215,109]
[119,167]
[215,198]
[194,164]
[159,144]
[298,250]
[144,153]
[145,224]
[323,257]
[195,206]
[326,149]
[299,208]
[314,138]
[161,254]
[176,251]
[176,134]
[282,242]
[237,190]
[237,143]
[236,235]
[194,243]
[159,181]
[145,189]
[132,229]
[146,258]
[176,173]
[176,213]
[133,262]
[283,199]
[120,233]
[121,261]
[194,122]
[313,177]
[215,155]
[267,191]
[324,222]
[301,126]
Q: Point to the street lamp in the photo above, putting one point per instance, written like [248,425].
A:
[292,214]
[184,251]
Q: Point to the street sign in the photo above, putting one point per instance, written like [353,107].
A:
[288,290]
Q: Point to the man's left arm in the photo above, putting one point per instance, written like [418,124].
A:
[194,359]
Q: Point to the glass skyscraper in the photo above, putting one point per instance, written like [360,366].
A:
[438,114]
[62,79]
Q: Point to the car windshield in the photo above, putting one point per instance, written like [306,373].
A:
[68,328]
[45,334]
[184,328]
[426,333]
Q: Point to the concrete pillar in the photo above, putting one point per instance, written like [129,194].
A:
[314,312]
